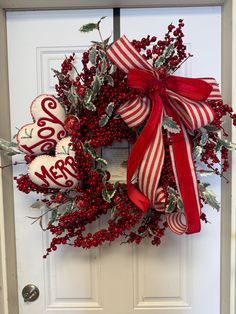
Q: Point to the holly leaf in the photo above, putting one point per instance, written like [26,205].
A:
[104,65]
[102,161]
[104,120]
[88,27]
[211,200]
[96,84]
[102,18]
[88,95]
[110,108]
[90,150]
[110,80]
[172,191]
[124,163]
[9,148]
[168,51]
[170,125]
[116,184]
[112,193]
[90,106]
[102,54]
[106,196]
[37,205]
[113,69]
[159,61]
[211,128]
[197,152]
[92,56]
[180,204]
[204,139]
[170,207]
[97,43]
[223,143]
[101,172]
[53,217]
[106,41]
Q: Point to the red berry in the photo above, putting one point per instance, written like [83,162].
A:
[72,123]
[29,158]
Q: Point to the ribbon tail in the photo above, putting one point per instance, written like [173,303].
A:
[143,144]
[185,175]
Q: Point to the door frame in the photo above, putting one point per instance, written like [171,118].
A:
[8,274]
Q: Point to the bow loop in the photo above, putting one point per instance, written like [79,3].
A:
[192,88]
[142,79]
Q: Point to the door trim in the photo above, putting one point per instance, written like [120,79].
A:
[8,278]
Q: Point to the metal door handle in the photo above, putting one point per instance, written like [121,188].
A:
[30,293]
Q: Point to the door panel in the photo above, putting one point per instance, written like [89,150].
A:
[179,277]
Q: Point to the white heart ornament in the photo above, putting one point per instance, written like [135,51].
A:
[42,135]
[55,172]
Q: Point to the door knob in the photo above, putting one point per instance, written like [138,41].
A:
[30,293]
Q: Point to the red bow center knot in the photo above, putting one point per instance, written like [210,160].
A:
[184,100]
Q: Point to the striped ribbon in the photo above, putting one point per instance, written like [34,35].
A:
[182,99]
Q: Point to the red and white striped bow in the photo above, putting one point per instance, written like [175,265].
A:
[182,99]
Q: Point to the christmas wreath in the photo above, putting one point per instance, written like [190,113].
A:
[126,91]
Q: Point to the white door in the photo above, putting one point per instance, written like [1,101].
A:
[179,277]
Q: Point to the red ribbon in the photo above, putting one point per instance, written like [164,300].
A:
[183,100]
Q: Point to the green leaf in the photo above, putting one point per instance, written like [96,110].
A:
[88,100]
[106,41]
[204,139]
[221,143]
[202,187]
[168,51]
[172,191]
[109,80]
[102,54]
[113,69]
[159,61]
[197,152]
[180,204]
[92,56]
[37,205]
[170,125]
[9,148]
[191,133]
[124,163]
[104,66]
[90,150]
[112,193]
[102,18]
[90,106]
[211,200]
[211,128]
[116,184]
[106,196]
[96,85]
[102,161]
[88,95]
[101,171]
[88,27]
[110,108]
[10,154]
[97,43]
[104,120]
[13,144]
[53,217]
[170,207]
